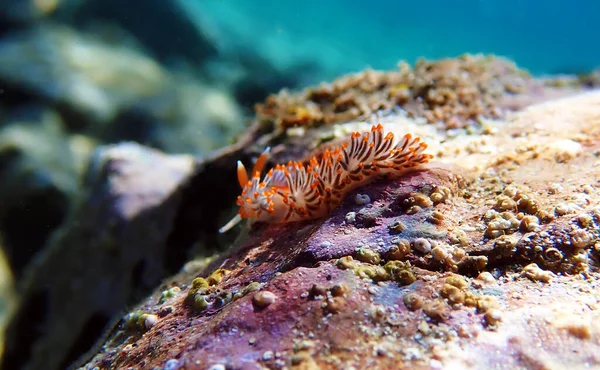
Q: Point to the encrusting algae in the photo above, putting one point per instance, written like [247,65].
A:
[453,91]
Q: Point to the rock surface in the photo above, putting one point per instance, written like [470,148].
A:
[489,257]
[111,251]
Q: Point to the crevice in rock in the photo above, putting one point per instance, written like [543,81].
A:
[87,337]
[41,212]
[205,201]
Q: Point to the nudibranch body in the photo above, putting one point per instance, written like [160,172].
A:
[296,192]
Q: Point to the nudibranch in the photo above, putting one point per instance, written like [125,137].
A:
[298,191]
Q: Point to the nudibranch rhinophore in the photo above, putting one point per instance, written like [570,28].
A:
[296,192]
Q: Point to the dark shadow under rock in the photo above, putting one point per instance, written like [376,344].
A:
[38,179]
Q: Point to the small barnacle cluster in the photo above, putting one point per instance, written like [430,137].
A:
[400,271]
[535,273]
[576,202]
[436,310]
[373,272]
[566,208]
[455,291]
[334,298]
[454,294]
[203,293]
[514,210]
[440,194]
[139,320]
[454,256]
[584,237]
[451,255]
[516,213]
[370,266]
[399,249]
[167,294]
[368,255]
[415,202]
[458,236]
[505,246]
[499,224]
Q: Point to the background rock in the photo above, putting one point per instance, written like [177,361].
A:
[38,177]
[110,253]
[8,297]
[90,78]
[116,93]
[169,42]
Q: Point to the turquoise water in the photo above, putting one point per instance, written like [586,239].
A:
[339,36]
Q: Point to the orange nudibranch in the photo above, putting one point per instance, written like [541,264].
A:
[295,191]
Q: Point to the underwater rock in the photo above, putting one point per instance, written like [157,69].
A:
[28,10]
[187,118]
[451,93]
[8,296]
[591,79]
[39,171]
[113,92]
[487,257]
[109,253]
[171,15]
[89,77]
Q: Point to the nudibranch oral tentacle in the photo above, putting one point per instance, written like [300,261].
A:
[296,192]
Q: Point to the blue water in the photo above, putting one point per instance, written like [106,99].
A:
[339,36]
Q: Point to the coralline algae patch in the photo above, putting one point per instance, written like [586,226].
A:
[338,313]
[320,317]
